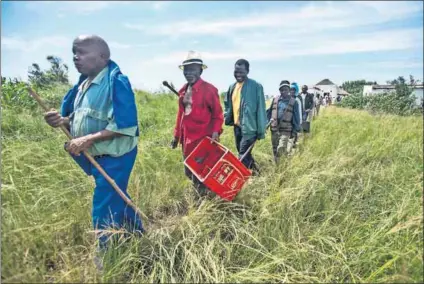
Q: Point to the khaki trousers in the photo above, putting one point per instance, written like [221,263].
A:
[281,145]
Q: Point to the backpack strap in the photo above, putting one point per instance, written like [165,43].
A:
[274,114]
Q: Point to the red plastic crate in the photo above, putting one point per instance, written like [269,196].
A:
[217,168]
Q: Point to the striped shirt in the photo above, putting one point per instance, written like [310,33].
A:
[93,112]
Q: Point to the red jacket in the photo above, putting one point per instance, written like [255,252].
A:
[205,118]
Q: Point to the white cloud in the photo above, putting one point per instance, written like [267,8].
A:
[390,64]
[117,45]
[159,5]
[85,7]
[14,43]
[261,48]
[69,8]
[314,29]
[64,8]
[27,45]
[392,9]
[139,27]
[177,57]
[363,42]
[309,19]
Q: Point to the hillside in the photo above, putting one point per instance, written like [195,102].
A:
[346,208]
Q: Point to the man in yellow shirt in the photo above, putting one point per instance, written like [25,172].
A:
[245,110]
[236,102]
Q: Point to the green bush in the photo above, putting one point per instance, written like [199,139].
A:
[15,95]
[57,74]
[357,101]
[382,103]
[399,102]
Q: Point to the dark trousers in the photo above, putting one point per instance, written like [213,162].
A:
[201,189]
[295,138]
[242,145]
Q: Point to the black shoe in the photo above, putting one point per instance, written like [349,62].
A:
[255,171]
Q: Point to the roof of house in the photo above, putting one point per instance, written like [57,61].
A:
[325,82]
[343,92]
[314,87]
[383,87]
[392,87]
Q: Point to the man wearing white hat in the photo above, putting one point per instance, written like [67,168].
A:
[199,112]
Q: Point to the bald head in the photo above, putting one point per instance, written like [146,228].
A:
[95,42]
[91,54]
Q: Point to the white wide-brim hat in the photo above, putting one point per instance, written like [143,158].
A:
[193,57]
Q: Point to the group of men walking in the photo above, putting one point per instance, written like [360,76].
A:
[100,112]
[290,115]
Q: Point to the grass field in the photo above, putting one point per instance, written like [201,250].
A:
[347,207]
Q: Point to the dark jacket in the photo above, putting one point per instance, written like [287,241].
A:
[252,109]
[302,104]
[309,101]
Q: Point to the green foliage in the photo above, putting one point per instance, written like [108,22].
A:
[354,101]
[345,208]
[222,96]
[400,102]
[51,84]
[15,95]
[356,87]
[57,74]
[36,76]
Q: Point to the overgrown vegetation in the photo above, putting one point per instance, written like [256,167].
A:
[15,95]
[346,208]
[57,74]
[400,102]
[51,84]
[356,87]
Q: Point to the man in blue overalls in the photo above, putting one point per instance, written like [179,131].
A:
[101,114]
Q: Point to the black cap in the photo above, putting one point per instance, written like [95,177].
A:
[284,82]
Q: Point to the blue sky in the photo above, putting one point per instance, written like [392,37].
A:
[299,41]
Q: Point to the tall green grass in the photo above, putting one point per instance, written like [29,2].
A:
[347,207]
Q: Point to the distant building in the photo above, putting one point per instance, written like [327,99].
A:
[370,90]
[327,87]
[314,90]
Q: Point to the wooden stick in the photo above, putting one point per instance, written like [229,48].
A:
[92,161]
